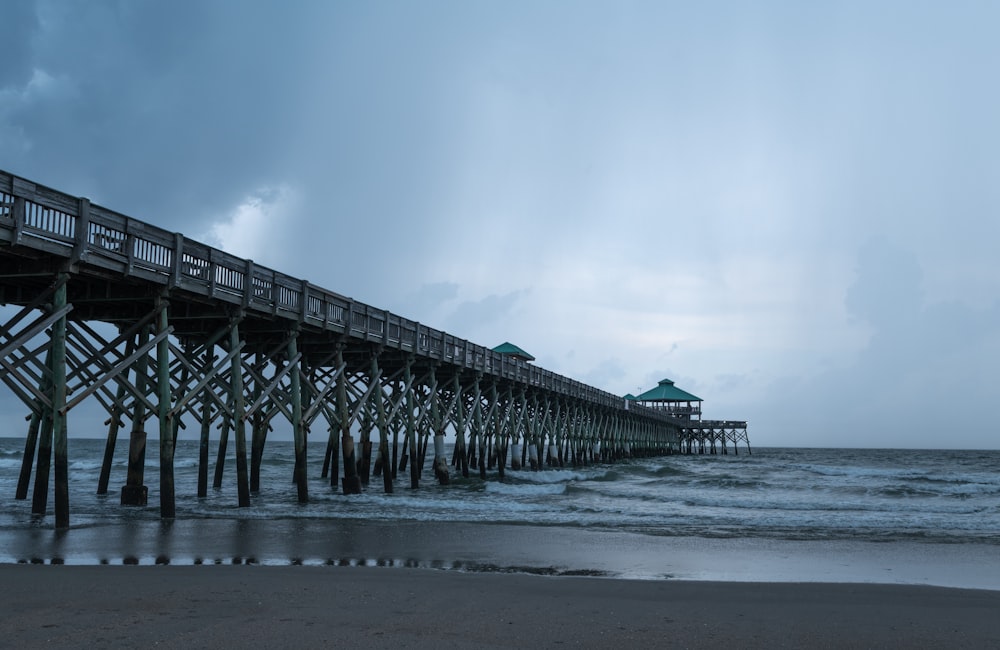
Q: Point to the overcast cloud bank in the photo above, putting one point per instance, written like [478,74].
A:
[790,210]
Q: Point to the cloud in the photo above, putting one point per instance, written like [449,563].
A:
[923,378]
[20,27]
[480,318]
[249,229]
[608,371]
[888,290]
[790,212]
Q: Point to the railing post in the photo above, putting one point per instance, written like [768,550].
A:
[129,247]
[176,257]
[81,231]
[303,299]
[248,284]
[19,215]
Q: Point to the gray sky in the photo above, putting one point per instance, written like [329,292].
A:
[790,209]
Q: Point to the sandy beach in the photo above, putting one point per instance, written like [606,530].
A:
[308,606]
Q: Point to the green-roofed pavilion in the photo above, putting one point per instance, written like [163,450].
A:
[514,351]
[670,398]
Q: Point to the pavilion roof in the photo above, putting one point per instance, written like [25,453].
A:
[665,391]
[513,350]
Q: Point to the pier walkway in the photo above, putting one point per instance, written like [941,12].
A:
[166,332]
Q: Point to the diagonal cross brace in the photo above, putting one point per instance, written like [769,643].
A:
[29,332]
[117,370]
[364,398]
[319,398]
[209,376]
[292,363]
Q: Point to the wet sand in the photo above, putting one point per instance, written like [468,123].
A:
[544,550]
[315,606]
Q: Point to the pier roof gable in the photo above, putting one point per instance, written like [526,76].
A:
[665,391]
[513,350]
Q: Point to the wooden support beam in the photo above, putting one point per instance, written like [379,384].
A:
[320,396]
[167,498]
[220,457]
[437,426]
[140,389]
[383,426]
[114,424]
[258,434]
[134,492]
[208,375]
[31,441]
[206,424]
[460,424]
[351,483]
[60,447]
[411,426]
[239,419]
[37,302]
[479,425]
[301,475]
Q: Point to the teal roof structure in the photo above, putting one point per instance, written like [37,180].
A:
[513,350]
[667,392]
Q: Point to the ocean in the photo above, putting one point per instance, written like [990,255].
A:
[869,515]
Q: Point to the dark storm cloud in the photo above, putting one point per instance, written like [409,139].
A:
[20,24]
[168,111]
[734,194]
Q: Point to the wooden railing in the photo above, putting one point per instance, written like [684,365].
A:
[44,219]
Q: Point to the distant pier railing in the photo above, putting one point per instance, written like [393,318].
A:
[209,337]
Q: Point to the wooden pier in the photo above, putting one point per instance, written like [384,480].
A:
[162,329]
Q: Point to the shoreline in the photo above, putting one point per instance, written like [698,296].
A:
[484,548]
[261,606]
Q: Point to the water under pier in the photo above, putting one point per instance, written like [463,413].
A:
[166,332]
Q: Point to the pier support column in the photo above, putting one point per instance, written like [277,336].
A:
[30,445]
[114,423]
[220,456]
[383,427]
[461,422]
[40,494]
[437,426]
[39,413]
[394,426]
[258,425]
[239,419]
[58,408]
[411,426]
[206,424]
[479,426]
[331,461]
[301,475]
[351,483]
[167,500]
[440,459]
[134,492]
